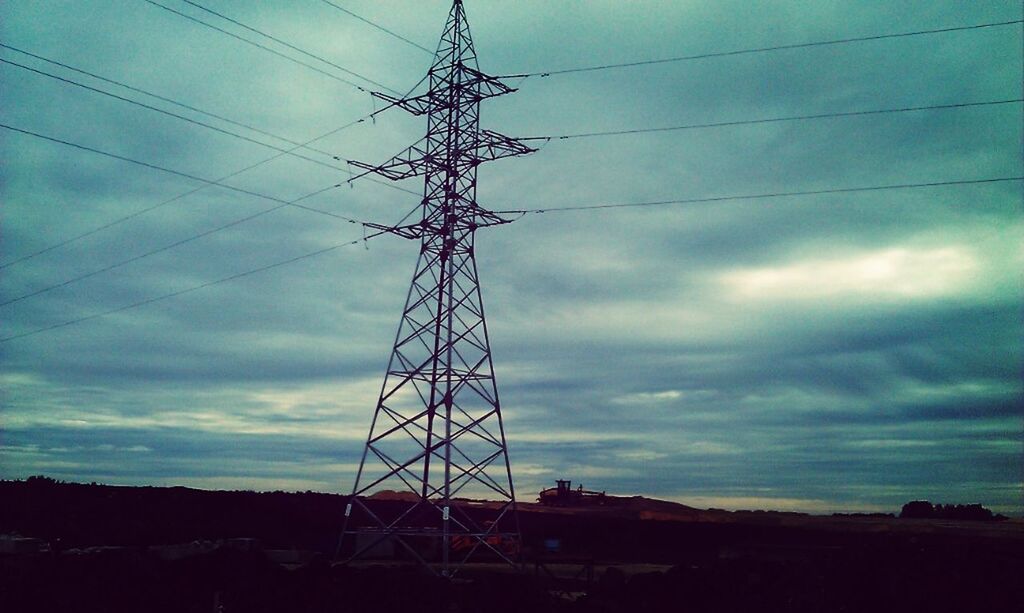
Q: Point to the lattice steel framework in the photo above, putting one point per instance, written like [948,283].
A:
[437,430]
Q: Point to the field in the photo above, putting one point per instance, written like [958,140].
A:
[104,548]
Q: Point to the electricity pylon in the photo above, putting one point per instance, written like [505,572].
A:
[437,431]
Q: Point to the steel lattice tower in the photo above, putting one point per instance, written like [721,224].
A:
[437,430]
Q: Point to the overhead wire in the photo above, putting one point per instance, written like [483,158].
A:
[521,211]
[193,288]
[291,46]
[285,151]
[165,99]
[821,43]
[582,135]
[366,237]
[170,246]
[258,45]
[743,122]
[816,192]
[378,26]
[206,183]
[281,204]
[176,116]
[167,170]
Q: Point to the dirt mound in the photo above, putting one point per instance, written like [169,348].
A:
[393,495]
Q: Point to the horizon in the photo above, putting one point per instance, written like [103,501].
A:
[697,503]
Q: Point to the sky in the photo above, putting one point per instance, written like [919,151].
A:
[835,352]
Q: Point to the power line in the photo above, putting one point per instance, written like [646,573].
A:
[218,181]
[164,99]
[215,128]
[235,222]
[173,245]
[522,211]
[777,119]
[255,44]
[378,26]
[823,43]
[365,238]
[189,289]
[204,185]
[817,192]
[290,46]
[176,116]
[173,172]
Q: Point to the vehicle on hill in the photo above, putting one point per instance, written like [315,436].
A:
[562,495]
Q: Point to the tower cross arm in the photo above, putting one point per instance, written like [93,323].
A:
[415,160]
[483,218]
[410,231]
[409,163]
[482,85]
[472,87]
[417,105]
[474,217]
[491,145]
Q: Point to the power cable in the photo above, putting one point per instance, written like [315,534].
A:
[258,45]
[291,46]
[201,187]
[177,116]
[823,43]
[143,211]
[170,171]
[366,237]
[817,192]
[381,232]
[235,222]
[281,150]
[775,120]
[191,289]
[173,245]
[378,26]
[165,99]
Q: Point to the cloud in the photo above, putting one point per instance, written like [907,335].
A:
[888,274]
[834,352]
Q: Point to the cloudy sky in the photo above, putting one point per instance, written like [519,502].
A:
[836,352]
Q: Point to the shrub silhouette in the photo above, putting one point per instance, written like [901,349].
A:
[922,509]
[917,509]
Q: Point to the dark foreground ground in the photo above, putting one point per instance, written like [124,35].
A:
[175,549]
